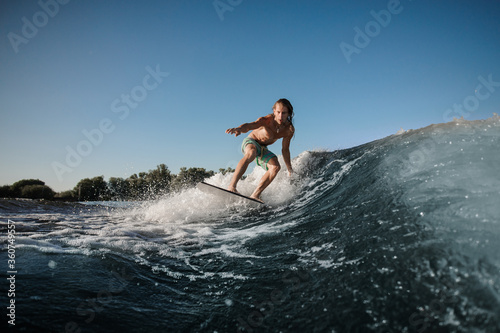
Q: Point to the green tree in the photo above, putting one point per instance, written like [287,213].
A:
[159,180]
[37,192]
[5,192]
[91,189]
[138,186]
[17,187]
[228,170]
[118,189]
[190,177]
[66,195]
[141,186]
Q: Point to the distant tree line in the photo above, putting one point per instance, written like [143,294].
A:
[27,188]
[142,186]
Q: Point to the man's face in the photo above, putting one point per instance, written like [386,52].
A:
[280,113]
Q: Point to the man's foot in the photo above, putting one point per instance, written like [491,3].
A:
[232,189]
[257,198]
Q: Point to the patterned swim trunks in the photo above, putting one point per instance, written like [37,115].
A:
[264,155]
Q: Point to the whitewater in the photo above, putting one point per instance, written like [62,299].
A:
[401,234]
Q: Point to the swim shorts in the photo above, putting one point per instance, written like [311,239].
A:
[264,155]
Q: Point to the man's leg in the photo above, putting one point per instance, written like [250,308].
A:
[273,169]
[249,156]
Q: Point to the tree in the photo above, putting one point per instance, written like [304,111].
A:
[159,180]
[5,192]
[91,189]
[228,170]
[190,177]
[66,196]
[142,186]
[138,186]
[118,189]
[17,187]
[37,192]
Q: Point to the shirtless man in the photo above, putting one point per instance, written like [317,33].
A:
[265,131]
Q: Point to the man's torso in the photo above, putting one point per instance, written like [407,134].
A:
[269,133]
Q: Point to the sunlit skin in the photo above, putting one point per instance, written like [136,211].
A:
[266,131]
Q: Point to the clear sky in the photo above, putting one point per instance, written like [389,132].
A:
[112,88]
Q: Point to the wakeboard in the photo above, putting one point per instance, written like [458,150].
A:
[219,191]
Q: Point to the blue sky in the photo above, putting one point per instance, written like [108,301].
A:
[153,82]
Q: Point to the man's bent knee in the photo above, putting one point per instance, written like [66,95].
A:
[274,167]
[250,153]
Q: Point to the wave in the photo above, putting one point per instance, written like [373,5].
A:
[396,235]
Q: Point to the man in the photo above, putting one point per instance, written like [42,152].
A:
[265,131]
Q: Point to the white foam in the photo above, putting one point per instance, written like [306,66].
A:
[193,205]
[182,226]
[400,131]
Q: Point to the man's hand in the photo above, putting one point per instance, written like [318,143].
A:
[293,178]
[236,131]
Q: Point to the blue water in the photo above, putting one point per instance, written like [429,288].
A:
[397,235]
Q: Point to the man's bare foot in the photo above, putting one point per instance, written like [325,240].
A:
[257,198]
[233,189]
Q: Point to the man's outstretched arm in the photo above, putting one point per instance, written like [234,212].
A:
[246,127]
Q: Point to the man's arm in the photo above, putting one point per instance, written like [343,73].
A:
[285,151]
[247,127]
